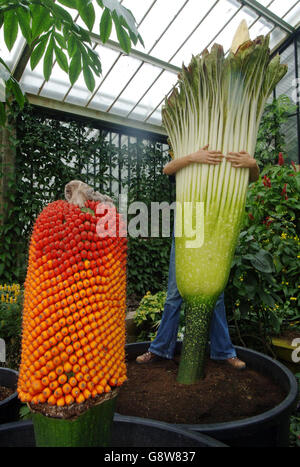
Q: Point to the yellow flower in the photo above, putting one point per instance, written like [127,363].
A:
[293,298]
[283,235]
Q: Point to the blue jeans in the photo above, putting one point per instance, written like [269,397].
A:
[164,343]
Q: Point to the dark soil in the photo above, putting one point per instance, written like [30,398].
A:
[224,395]
[5,392]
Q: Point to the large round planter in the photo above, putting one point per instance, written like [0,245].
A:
[268,429]
[126,432]
[9,407]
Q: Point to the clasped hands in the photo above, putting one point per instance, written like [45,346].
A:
[241,160]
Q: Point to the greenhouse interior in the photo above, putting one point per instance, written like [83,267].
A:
[144,144]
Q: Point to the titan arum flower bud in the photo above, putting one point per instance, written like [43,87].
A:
[219,102]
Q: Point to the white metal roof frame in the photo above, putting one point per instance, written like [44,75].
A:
[133,87]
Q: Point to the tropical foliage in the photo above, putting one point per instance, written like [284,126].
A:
[51,33]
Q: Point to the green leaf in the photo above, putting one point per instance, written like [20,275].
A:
[105,25]
[61,59]
[72,46]
[88,78]
[24,22]
[62,14]
[38,52]
[75,67]
[48,60]
[94,61]
[60,40]
[87,13]
[83,34]
[69,3]
[121,11]
[10,28]
[13,85]
[263,262]
[41,20]
[123,37]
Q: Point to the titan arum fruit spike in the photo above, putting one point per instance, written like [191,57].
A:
[73,334]
[218,101]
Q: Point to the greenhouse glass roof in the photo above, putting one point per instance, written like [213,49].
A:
[132,87]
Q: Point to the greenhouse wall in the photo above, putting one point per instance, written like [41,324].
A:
[290,86]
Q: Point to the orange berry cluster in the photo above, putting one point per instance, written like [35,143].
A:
[73,334]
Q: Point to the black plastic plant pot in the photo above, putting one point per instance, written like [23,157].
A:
[270,428]
[126,432]
[9,407]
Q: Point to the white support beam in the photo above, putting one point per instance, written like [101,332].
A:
[95,114]
[136,54]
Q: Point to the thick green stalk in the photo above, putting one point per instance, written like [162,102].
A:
[198,317]
[91,429]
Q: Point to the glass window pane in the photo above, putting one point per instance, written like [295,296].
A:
[280,7]
[261,28]
[57,85]
[225,38]
[154,96]
[138,9]
[293,16]
[287,84]
[277,37]
[223,11]
[291,138]
[79,94]
[182,26]
[156,21]
[114,83]
[31,81]
[144,77]
[11,57]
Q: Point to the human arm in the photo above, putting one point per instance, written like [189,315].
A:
[243,160]
[202,156]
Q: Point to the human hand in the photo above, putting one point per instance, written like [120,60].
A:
[241,160]
[203,156]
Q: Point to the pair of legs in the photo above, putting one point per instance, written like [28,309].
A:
[164,344]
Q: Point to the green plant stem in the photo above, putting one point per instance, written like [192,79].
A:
[91,429]
[197,318]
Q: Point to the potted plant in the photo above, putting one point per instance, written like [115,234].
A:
[219,101]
